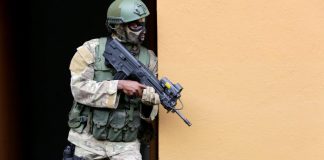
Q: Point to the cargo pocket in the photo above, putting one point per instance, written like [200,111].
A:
[77,117]
[117,123]
[99,126]
[132,128]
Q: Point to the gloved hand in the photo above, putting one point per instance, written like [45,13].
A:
[149,96]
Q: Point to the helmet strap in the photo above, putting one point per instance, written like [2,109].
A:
[120,32]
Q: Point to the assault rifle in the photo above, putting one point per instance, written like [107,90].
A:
[126,65]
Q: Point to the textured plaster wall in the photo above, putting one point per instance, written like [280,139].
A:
[253,78]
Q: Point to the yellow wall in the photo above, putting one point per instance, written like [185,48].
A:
[253,78]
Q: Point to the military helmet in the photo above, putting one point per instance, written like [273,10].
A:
[123,11]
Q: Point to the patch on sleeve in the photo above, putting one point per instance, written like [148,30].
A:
[112,100]
[81,59]
[86,54]
[78,64]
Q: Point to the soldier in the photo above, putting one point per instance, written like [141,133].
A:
[107,114]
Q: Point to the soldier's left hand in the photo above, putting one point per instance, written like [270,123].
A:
[149,96]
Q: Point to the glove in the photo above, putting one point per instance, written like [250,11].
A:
[149,96]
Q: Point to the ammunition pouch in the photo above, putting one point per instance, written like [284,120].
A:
[116,125]
[78,117]
[120,125]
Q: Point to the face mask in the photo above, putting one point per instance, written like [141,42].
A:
[135,32]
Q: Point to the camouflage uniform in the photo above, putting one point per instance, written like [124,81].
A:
[102,95]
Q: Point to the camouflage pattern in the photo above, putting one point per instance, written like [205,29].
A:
[84,89]
[100,94]
[124,34]
[123,11]
[136,36]
[89,148]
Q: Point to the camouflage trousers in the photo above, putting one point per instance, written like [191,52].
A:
[87,155]
[87,147]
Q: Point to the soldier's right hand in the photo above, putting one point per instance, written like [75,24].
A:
[131,88]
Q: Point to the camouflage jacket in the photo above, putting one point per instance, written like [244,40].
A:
[92,93]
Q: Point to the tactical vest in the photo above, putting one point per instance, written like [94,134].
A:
[116,125]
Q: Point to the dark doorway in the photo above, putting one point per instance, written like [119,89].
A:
[44,36]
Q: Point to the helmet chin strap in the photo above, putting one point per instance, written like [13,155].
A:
[114,36]
[119,33]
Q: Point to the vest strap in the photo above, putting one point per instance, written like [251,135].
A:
[102,45]
[144,56]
